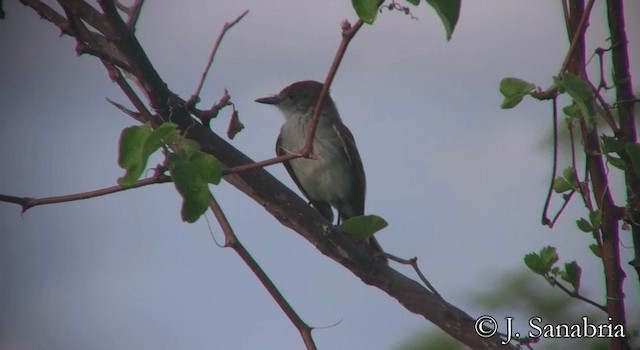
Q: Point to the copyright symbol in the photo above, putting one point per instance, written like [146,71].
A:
[486,326]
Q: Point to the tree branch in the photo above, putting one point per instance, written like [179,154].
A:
[216,46]
[614,276]
[625,101]
[232,241]
[27,202]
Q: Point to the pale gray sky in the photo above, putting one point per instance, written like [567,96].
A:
[453,174]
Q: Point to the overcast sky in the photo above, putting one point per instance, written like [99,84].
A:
[460,181]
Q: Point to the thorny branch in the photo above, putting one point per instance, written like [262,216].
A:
[27,202]
[232,241]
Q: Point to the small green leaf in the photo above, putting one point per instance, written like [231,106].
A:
[414,2]
[616,162]
[633,149]
[363,226]
[449,12]
[610,144]
[568,174]
[581,93]
[571,274]
[555,271]
[548,257]
[191,186]
[596,218]
[164,134]
[513,90]
[560,185]
[366,9]
[533,262]
[571,111]
[207,167]
[595,250]
[584,225]
[189,146]
[138,143]
[132,156]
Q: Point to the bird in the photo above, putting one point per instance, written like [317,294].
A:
[336,177]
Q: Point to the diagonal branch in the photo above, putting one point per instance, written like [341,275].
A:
[232,241]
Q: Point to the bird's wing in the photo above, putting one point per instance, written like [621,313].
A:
[322,207]
[352,155]
[280,151]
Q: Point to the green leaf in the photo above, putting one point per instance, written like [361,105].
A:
[616,162]
[414,2]
[560,185]
[132,155]
[533,262]
[610,144]
[633,149]
[189,146]
[207,167]
[164,134]
[138,143]
[449,12]
[568,174]
[571,111]
[548,256]
[584,225]
[571,274]
[366,9]
[595,250]
[191,186]
[363,226]
[596,218]
[513,90]
[581,93]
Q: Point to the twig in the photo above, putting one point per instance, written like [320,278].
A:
[413,262]
[206,115]
[566,198]
[575,294]
[575,39]
[606,111]
[27,202]
[132,11]
[232,241]
[261,164]
[116,76]
[225,28]
[554,168]
[348,32]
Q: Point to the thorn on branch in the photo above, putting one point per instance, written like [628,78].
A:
[123,109]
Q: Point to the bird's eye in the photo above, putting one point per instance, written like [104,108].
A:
[291,95]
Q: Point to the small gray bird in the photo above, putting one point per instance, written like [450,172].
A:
[336,178]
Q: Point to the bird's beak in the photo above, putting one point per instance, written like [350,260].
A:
[271,100]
